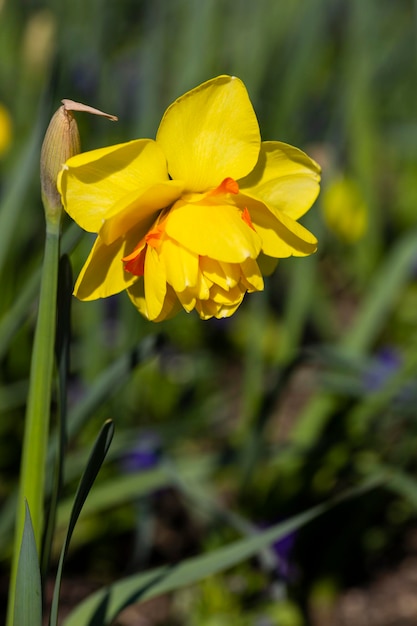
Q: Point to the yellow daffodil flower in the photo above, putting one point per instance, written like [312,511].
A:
[344,209]
[5,129]
[182,220]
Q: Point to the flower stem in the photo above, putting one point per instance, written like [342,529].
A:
[33,470]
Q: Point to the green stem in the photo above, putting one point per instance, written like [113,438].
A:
[32,475]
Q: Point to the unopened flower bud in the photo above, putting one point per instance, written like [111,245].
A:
[62,141]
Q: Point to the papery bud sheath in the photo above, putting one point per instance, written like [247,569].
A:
[62,141]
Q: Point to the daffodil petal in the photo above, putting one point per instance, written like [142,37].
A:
[284,177]
[210,133]
[139,211]
[216,231]
[155,283]
[170,307]
[92,182]
[251,275]
[202,289]
[226,275]
[226,310]
[228,297]
[188,299]
[281,235]
[103,273]
[181,265]
[207,309]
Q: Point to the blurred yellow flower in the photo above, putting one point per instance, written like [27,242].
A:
[344,209]
[182,220]
[5,129]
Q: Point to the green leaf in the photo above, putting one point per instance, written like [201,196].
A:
[32,477]
[117,491]
[103,606]
[95,461]
[104,387]
[64,297]
[28,596]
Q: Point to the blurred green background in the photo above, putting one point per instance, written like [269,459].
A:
[311,386]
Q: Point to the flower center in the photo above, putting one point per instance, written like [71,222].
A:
[135,261]
[228,185]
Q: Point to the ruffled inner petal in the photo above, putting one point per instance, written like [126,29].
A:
[251,276]
[188,299]
[220,304]
[229,297]
[155,283]
[210,133]
[207,309]
[170,307]
[181,265]
[213,230]
[284,178]
[226,275]
[92,182]
[228,309]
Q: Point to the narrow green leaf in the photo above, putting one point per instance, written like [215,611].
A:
[95,461]
[103,606]
[117,491]
[104,387]
[35,442]
[28,597]
[64,297]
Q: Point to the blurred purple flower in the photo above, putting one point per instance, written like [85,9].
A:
[384,365]
[144,455]
[282,550]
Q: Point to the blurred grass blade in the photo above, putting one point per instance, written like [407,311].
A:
[402,484]
[382,296]
[109,381]
[14,200]
[104,387]
[13,319]
[101,608]
[113,492]
[28,598]
[94,464]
